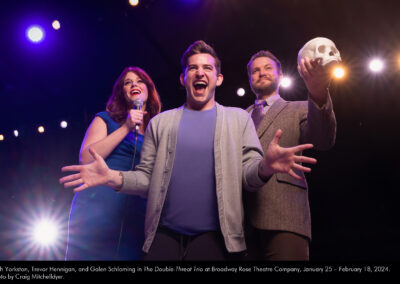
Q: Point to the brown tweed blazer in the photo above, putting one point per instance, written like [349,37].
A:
[282,203]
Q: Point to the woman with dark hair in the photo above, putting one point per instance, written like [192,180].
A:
[103,224]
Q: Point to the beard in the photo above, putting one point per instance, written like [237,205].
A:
[266,90]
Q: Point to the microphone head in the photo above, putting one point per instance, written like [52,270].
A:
[137,104]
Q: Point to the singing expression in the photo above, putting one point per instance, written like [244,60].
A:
[200,81]
[134,88]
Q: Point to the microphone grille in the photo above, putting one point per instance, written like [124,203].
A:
[137,103]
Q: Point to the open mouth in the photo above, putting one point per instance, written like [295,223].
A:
[199,85]
[135,92]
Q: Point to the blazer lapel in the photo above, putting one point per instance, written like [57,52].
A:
[269,117]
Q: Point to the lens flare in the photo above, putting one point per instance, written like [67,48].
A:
[339,72]
[376,65]
[36,227]
[45,233]
[286,82]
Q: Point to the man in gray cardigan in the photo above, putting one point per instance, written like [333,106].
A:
[279,213]
[194,161]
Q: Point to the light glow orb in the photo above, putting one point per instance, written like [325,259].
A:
[56,25]
[45,233]
[35,34]
[240,92]
[398,61]
[376,65]
[338,72]
[133,2]
[63,124]
[286,82]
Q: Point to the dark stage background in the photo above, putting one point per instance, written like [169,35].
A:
[353,192]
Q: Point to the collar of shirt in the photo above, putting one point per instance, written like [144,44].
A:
[270,101]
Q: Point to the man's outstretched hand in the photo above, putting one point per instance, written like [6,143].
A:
[284,160]
[89,175]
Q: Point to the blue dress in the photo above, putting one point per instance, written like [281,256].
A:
[99,215]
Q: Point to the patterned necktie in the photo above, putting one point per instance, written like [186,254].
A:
[257,114]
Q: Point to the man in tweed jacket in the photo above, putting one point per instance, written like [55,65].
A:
[278,215]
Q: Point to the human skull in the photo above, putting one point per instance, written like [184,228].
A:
[320,48]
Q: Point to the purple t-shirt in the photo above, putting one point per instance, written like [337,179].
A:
[191,204]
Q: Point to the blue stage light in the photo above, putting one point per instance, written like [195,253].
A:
[35,34]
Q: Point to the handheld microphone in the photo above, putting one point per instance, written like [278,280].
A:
[137,104]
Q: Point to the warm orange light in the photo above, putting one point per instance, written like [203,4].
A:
[134,2]
[56,25]
[398,61]
[339,72]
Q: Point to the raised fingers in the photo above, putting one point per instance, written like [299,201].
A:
[308,65]
[74,168]
[302,68]
[304,159]
[301,147]
[301,168]
[80,188]
[70,178]
[73,183]
[277,136]
[308,68]
[293,174]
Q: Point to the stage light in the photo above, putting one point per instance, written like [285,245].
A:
[1,137]
[286,82]
[133,2]
[376,65]
[45,233]
[240,92]
[56,25]
[16,133]
[40,129]
[63,124]
[398,61]
[37,226]
[35,34]
[338,72]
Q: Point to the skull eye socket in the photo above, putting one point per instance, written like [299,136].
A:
[333,51]
[321,49]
